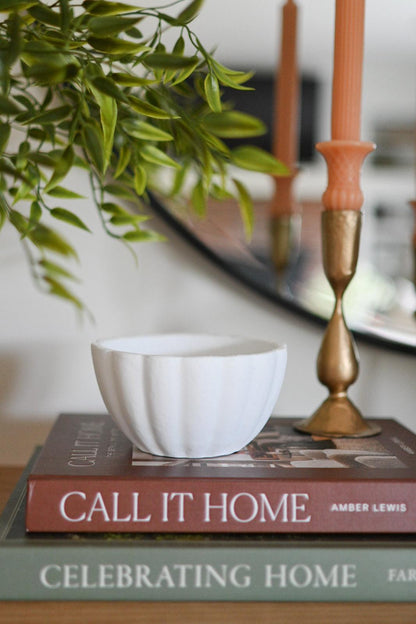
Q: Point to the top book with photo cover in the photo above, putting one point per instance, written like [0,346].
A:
[89,478]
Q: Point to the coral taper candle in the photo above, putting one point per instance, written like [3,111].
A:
[348,63]
[285,140]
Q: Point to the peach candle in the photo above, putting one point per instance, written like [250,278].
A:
[345,153]
[286,114]
[348,62]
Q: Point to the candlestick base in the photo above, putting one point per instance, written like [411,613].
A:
[338,417]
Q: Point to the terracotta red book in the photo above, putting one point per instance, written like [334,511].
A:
[89,478]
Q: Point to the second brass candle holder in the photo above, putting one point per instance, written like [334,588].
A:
[285,223]
[337,364]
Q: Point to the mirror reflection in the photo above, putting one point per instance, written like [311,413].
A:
[283,261]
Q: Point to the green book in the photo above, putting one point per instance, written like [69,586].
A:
[200,567]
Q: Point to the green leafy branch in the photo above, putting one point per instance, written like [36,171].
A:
[93,86]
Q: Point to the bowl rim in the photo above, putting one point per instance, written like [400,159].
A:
[266,346]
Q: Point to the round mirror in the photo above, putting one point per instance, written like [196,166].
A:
[380,303]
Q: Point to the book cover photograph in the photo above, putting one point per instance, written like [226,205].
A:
[90,478]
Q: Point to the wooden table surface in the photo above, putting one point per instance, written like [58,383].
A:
[194,612]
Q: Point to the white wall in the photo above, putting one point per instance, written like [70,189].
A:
[45,364]
[45,358]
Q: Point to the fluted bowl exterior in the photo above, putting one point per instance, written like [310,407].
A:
[189,395]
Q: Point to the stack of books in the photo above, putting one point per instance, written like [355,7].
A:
[289,518]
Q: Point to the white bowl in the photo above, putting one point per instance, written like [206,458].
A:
[189,395]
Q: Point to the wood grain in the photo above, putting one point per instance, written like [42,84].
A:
[197,612]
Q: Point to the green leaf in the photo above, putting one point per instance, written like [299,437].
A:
[35,213]
[212,92]
[119,190]
[51,73]
[57,289]
[25,102]
[172,21]
[41,158]
[190,12]
[179,46]
[8,106]
[185,73]
[102,7]
[53,115]
[4,136]
[108,87]
[45,237]
[129,80]
[45,15]
[62,167]
[164,60]
[231,78]
[7,167]
[36,50]
[3,209]
[63,193]
[37,133]
[12,5]
[114,46]
[134,33]
[14,34]
[94,145]
[233,124]
[142,236]
[18,221]
[66,15]
[108,26]
[69,217]
[128,219]
[246,208]
[145,131]
[123,160]
[108,118]
[179,179]
[112,208]
[255,159]
[199,199]
[55,269]
[149,110]
[154,155]
[140,179]
[221,193]
[24,191]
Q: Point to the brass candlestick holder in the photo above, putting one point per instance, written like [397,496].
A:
[337,364]
[285,223]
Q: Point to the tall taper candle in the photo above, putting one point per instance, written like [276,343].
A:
[285,138]
[348,62]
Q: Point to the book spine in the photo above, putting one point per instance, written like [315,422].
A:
[225,573]
[222,505]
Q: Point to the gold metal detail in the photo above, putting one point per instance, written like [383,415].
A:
[285,235]
[337,364]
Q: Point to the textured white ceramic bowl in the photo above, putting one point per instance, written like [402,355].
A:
[189,395]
